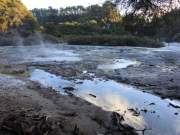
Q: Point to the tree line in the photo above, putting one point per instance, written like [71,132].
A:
[144,20]
[107,20]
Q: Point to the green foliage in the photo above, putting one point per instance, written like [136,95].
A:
[148,7]
[111,14]
[78,20]
[12,13]
[171,23]
[163,27]
[111,40]
[106,20]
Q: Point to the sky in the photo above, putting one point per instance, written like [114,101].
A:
[30,4]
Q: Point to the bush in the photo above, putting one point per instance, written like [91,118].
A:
[112,40]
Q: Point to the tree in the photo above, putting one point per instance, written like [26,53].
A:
[111,14]
[149,6]
[12,13]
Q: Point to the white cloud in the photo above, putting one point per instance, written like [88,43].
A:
[59,3]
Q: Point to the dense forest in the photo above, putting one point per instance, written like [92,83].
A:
[96,24]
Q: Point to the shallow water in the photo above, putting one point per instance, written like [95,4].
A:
[49,80]
[116,64]
[152,112]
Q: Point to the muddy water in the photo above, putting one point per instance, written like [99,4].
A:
[141,110]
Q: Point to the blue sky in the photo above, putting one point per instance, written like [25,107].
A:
[58,3]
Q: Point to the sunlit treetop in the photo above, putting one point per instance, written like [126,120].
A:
[12,13]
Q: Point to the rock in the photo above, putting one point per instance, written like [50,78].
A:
[69,88]
[117,118]
[135,112]
[152,104]
[144,110]
[69,93]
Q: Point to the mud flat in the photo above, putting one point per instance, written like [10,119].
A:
[89,90]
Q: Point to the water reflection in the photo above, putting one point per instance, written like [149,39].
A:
[115,96]
[49,80]
[112,102]
[155,113]
[117,64]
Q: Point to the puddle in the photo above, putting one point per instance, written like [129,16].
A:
[151,111]
[49,80]
[117,64]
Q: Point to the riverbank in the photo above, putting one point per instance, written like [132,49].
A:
[14,39]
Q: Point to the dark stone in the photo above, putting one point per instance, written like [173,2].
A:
[69,88]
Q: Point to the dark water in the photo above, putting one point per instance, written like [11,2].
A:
[151,111]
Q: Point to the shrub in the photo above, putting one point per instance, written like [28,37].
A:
[112,40]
